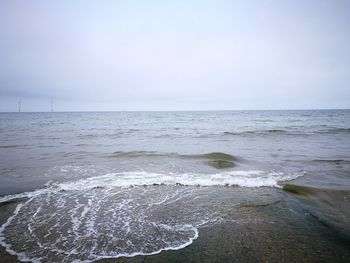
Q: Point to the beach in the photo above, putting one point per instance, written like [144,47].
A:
[279,231]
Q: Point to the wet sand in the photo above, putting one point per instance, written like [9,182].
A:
[6,211]
[277,232]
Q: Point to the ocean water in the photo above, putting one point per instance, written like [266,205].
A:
[96,185]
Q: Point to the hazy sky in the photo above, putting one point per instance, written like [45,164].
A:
[174,55]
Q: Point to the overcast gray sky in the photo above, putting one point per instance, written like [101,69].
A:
[174,55]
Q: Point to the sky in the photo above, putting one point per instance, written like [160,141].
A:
[174,55]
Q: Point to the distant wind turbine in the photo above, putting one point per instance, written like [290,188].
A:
[51,101]
[19,106]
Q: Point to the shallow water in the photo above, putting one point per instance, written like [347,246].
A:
[99,185]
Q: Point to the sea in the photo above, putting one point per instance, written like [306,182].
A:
[94,185]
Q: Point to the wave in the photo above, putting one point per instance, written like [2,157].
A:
[205,156]
[13,146]
[213,156]
[221,164]
[335,130]
[251,178]
[331,161]
[287,132]
[232,178]
[139,154]
[258,132]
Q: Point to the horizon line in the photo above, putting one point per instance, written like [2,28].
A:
[80,111]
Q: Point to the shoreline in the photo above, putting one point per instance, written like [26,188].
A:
[294,236]
[276,232]
[6,210]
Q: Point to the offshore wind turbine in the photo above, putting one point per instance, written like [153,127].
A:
[51,101]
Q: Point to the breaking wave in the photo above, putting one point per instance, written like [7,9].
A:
[253,178]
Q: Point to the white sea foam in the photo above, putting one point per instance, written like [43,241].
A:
[120,214]
[93,224]
[141,178]
[252,178]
